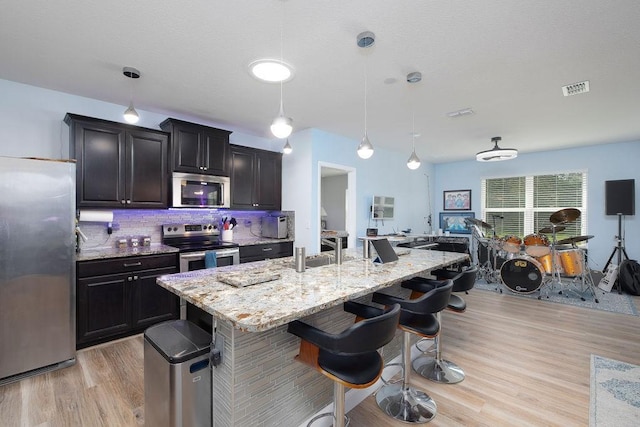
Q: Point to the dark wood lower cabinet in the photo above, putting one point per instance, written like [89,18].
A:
[265,251]
[111,306]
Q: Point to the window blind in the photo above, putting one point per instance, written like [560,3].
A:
[523,205]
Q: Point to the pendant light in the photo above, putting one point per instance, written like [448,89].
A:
[281,126]
[130,114]
[365,149]
[287,149]
[497,154]
[414,161]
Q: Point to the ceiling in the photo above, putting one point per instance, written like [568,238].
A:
[507,60]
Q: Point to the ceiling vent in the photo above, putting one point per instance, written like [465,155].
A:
[576,88]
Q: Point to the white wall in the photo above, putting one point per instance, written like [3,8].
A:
[602,163]
[385,174]
[31,121]
[31,125]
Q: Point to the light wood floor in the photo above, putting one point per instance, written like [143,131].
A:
[527,364]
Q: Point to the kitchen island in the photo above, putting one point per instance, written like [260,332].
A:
[258,382]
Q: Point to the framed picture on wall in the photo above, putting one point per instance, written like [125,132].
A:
[454,222]
[456,200]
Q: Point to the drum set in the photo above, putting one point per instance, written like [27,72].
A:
[535,262]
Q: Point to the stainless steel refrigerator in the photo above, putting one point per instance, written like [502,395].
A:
[37,266]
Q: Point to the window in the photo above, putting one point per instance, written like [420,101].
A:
[523,205]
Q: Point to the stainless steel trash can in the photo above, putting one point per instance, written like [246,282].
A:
[177,376]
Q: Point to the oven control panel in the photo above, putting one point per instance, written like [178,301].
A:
[181,230]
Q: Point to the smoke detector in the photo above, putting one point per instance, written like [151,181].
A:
[414,77]
[366,39]
[576,88]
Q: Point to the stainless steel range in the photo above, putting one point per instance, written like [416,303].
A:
[194,240]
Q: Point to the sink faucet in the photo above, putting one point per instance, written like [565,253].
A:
[337,247]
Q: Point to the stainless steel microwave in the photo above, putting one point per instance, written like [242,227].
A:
[200,191]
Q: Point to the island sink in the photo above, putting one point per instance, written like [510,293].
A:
[318,261]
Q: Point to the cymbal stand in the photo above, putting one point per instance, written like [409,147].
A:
[476,235]
[486,270]
[555,278]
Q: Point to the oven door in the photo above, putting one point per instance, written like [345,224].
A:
[190,261]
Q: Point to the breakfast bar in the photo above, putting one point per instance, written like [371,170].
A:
[258,382]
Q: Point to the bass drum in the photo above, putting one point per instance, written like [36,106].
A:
[522,275]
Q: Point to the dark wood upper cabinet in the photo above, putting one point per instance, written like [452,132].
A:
[198,149]
[118,165]
[256,179]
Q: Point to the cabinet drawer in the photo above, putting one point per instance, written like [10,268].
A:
[266,251]
[125,264]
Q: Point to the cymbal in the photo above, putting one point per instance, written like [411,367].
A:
[479,223]
[564,215]
[549,229]
[572,240]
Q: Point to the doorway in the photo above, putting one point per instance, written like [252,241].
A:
[337,199]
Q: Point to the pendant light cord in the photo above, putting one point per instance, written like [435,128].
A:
[365,94]
[281,53]
[413,128]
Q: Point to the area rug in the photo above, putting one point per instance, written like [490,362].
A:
[615,393]
[607,301]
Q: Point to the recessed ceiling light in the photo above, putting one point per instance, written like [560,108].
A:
[271,70]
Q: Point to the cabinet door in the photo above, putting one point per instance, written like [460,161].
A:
[103,307]
[146,169]
[215,151]
[265,251]
[151,302]
[269,180]
[100,153]
[186,149]
[242,178]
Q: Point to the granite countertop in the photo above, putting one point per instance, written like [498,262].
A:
[295,295]
[333,233]
[88,254]
[106,253]
[260,241]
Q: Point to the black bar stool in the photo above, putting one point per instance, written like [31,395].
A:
[350,358]
[435,367]
[417,317]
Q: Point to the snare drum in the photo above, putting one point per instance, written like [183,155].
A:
[522,275]
[572,262]
[536,245]
[511,244]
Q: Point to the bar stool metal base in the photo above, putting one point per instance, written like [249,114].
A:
[440,371]
[408,405]
[346,420]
